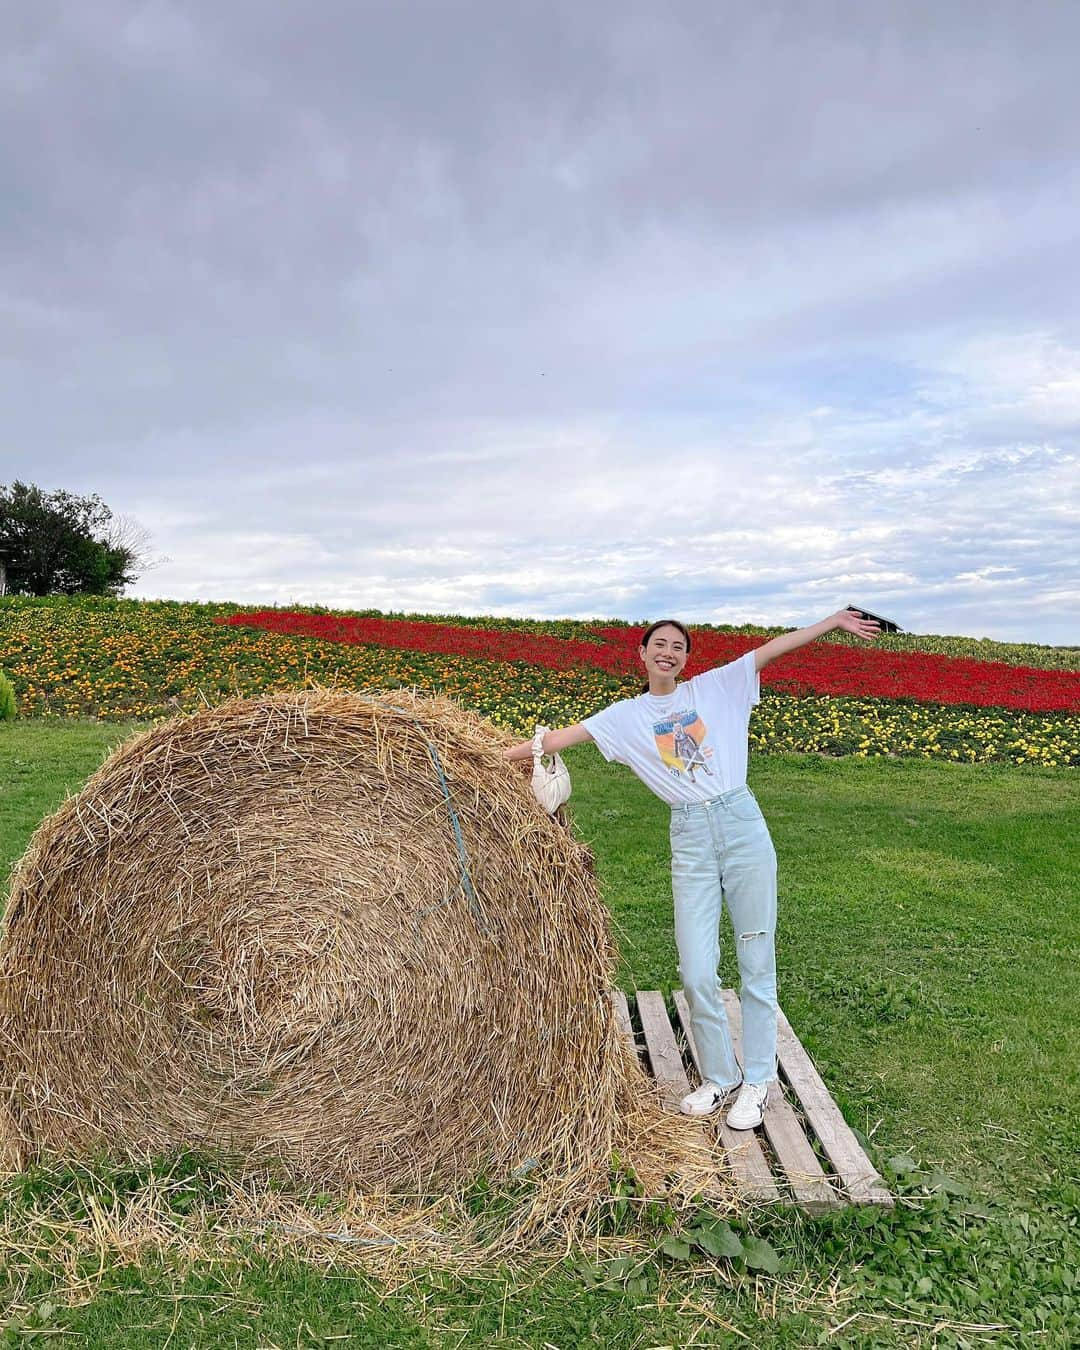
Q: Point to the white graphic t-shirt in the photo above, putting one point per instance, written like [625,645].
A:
[687,746]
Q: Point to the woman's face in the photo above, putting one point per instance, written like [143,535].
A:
[666,654]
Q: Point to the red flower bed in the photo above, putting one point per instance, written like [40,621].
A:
[877,672]
[818,668]
[439,638]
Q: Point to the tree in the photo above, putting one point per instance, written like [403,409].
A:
[56,543]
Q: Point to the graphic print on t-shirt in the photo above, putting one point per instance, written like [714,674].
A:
[679,740]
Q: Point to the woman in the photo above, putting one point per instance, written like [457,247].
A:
[688,743]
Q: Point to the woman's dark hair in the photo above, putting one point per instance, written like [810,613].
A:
[664,623]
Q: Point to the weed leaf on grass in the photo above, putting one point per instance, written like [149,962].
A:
[717,1239]
[759,1255]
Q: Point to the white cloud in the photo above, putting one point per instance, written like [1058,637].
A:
[587,311]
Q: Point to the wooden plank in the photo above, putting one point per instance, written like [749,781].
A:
[861,1180]
[622,1017]
[667,1065]
[784,1131]
[744,1153]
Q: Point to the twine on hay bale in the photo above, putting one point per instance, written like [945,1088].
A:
[326,933]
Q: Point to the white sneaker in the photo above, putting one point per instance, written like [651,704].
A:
[709,1097]
[749,1108]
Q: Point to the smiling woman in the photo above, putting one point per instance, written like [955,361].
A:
[688,744]
[666,653]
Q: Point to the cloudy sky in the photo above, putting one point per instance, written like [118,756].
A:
[734,311]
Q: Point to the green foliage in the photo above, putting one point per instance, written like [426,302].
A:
[708,1235]
[943,1259]
[627,1208]
[75,1191]
[944,1254]
[8,706]
[56,543]
[943,1269]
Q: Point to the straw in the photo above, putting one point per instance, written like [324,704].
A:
[330,935]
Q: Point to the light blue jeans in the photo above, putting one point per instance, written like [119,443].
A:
[722,854]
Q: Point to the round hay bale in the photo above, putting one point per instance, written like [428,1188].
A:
[321,931]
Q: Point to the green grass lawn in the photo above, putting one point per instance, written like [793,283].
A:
[928,945]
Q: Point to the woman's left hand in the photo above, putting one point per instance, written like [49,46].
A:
[850,621]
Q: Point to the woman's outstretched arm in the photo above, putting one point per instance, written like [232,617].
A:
[847,619]
[553,742]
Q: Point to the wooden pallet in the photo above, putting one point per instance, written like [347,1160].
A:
[804,1152]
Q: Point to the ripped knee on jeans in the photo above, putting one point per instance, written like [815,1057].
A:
[756,956]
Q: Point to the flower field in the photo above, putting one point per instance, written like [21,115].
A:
[901,696]
[820,668]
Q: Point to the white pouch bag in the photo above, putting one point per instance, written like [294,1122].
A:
[550,781]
